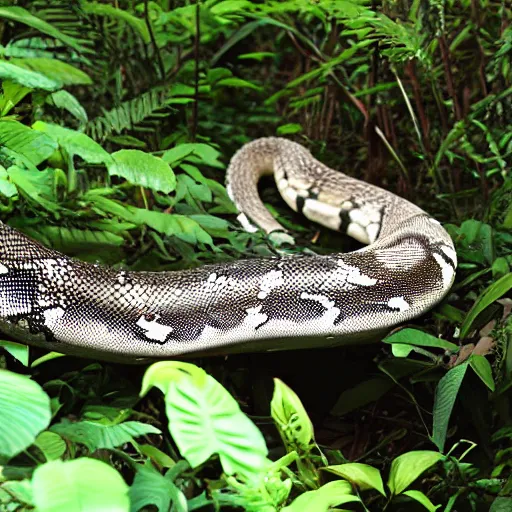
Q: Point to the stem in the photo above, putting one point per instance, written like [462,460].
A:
[153,40]
[195,108]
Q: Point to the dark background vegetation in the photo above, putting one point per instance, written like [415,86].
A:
[414,96]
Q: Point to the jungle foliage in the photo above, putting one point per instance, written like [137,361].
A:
[117,120]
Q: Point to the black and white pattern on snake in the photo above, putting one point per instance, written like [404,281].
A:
[49,299]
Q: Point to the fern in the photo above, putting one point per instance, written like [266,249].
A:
[128,115]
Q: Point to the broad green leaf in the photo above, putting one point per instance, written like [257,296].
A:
[35,185]
[491,294]
[54,69]
[501,504]
[142,169]
[151,488]
[421,498]
[137,24]
[422,339]
[80,485]
[406,468]
[205,419]
[206,154]
[324,499]
[32,145]
[75,143]
[362,475]
[26,77]
[24,412]
[17,350]
[168,224]
[97,435]
[21,15]
[51,444]
[483,369]
[446,393]
[65,100]
[290,417]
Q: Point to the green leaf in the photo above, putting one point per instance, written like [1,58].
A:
[65,100]
[205,419]
[205,153]
[422,339]
[446,393]
[51,444]
[20,490]
[21,15]
[180,226]
[54,69]
[27,78]
[13,93]
[17,350]
[288,129]
[80,485]
[97,435]
[324,499]
[501,504]
[35,185]
[237,82]
[491,294]
[401,349]
[25,411]
[362,475]
[75,143]
[142,169]
[409,466]
[99,9]
[421,498]
[30,144]
[483,369]
[290,417]
[151,488]
[158,457]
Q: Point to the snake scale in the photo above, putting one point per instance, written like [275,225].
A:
[51,300]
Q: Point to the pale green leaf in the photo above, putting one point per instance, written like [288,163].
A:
[205,153]
[483,369]
[289,129]
[446,393]
[30,144]
[362,475]
[51,444]
[204,419]
[421,498]
[237,82]
[65,100]
[7,188]
[54,69]
[290,417]
[26,77]
[406,468]
[75,143]
[97,435]
[142,169]
[80,485]
[401,349]
[17,350]
[323,499]
[24,410]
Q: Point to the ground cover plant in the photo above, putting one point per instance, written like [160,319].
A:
[117,120]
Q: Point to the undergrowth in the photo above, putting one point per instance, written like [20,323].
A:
[117,120]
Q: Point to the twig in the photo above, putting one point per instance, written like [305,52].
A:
[153,40]
[195,108]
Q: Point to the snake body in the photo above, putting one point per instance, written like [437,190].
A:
[49,299]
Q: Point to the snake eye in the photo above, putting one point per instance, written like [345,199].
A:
[149,317]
